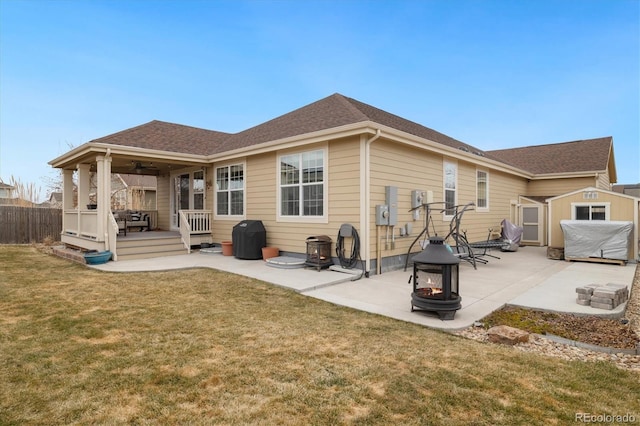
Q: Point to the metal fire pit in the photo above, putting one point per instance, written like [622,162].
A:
[435,280]
[319,252]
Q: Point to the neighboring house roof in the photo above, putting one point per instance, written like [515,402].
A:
[5,186]
[55,197]
[633,190]
[143,181]
[163,136]
[567,157]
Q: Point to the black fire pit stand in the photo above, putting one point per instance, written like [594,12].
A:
[435,280]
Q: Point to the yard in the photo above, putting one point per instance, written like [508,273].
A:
[81,346]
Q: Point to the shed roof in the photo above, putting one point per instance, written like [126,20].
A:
[566,157]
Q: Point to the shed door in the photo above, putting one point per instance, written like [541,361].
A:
[531,218]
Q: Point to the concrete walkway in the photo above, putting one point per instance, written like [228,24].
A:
[524,278]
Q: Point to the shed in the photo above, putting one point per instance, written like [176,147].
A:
[593,204]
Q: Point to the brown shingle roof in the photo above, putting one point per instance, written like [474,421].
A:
[567,157]
[338,110]
[165,136]
[333,111]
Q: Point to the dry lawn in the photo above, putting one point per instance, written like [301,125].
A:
[79,346]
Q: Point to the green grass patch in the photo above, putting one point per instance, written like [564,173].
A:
[80,346]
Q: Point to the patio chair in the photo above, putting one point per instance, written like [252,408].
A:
[482,248]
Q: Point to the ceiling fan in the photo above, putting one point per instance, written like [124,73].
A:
[140,168]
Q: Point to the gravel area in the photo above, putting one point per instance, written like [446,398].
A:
[544,346]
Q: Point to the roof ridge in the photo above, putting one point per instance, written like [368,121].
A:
[348,102]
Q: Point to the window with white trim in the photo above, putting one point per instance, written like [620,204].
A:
[302,184]
[590,211]
[482,190]
[230,190]
[450,184]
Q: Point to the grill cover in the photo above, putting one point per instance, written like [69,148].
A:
[249,237]
[596,238]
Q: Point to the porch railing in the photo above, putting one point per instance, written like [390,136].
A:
[81,223]
[194,222]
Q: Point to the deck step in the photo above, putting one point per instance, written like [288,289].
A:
[156,248]
[151,255]
[149,248]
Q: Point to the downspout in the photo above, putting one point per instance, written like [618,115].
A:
[365,181]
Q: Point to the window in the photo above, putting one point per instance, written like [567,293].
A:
[585,211]
[450,178]
[482,190]
[302,184]
[230,190]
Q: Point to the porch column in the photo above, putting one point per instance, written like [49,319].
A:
[67,199]
[84,185]
[67,189]
[103,196]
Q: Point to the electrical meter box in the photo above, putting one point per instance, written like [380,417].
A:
[391,193]
[416,198]
[382,215]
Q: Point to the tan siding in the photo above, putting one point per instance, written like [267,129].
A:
[163,204]
[261,183]
[409,168]
[603,182]
[555,187]
[503,189]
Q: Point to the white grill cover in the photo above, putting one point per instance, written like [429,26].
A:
[596,238]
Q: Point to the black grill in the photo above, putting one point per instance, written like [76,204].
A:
[249,237]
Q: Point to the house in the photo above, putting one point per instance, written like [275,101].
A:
[6,193]
[328,163]
[633,190]
[136,192]
[54,201]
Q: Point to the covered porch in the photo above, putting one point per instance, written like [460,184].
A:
[92,221]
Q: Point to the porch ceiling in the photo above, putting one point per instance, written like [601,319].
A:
[141,165]
[145,166]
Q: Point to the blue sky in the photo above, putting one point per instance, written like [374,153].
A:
[494,74]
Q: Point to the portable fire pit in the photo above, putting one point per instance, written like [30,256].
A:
[435,280]
[319,252]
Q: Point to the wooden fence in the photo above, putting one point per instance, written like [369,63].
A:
[26,225]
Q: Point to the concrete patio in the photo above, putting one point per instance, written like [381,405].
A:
[524,278]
